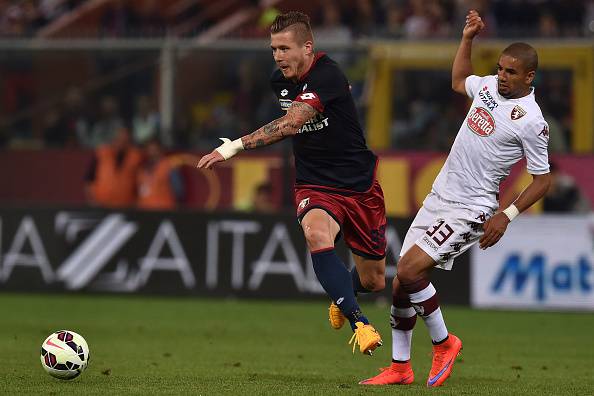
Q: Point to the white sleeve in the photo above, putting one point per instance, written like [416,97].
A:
[535,141]
[472,84]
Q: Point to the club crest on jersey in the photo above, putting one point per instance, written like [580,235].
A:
[517,113]
[481,122]
[284,92]
[304,202]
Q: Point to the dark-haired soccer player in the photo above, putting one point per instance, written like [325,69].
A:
[336,191]
[503,125]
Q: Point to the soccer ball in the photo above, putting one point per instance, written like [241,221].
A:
[64,354]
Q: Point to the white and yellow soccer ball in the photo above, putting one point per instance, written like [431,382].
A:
[64,354]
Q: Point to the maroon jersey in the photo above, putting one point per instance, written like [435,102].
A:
[330,149]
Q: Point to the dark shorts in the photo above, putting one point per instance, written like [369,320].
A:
[361,216]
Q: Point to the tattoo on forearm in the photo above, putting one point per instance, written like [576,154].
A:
[288,125]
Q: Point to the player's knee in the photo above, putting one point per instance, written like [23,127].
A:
[375,283]
[406,272]
[395,285]
[317,238]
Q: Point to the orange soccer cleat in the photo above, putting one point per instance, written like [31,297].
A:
[395,374]
[335,316]
[367,337]
[444,356]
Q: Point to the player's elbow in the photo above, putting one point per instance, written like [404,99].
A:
[291,127]
[542,183]
[294,130]
[458,85]
[546,181]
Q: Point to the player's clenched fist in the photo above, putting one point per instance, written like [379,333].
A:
[493,228]
[474,25]
[225,151]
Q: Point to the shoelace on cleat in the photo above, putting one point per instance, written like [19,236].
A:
[355,339]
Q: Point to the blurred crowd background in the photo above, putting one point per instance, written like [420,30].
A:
[340,20]
[123,82]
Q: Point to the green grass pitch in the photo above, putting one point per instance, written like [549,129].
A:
[146,345]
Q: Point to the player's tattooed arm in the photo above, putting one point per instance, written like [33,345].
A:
[288,125]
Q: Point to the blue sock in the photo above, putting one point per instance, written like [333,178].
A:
[336,281]
[357,286]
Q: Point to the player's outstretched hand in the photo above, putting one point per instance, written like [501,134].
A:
[225,151]
[474,25]
[209,160]
[494,229]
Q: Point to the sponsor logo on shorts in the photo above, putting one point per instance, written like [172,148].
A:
[304,202]
[445,256]
[482,216]
[476,227]
[430,243]
[481,122]
[456,246]
[466,236]
[418,309]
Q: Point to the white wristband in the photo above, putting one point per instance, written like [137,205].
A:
[511,212]
[230,147]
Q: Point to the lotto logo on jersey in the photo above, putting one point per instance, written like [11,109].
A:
[311,99]
[481,122]
[308,96]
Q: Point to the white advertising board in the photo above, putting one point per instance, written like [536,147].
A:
[542,262]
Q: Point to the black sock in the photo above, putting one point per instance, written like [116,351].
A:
[336,281]
[400,361]
[440,342]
